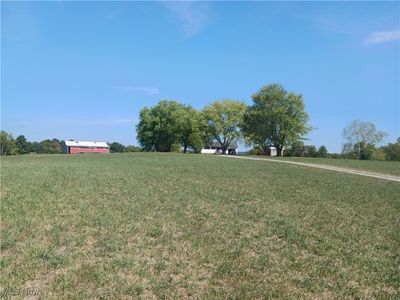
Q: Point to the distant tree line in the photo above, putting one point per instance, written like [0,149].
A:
[298,149]
[362,140]
[116,147]
[20,145]
[276,118]
[391,151]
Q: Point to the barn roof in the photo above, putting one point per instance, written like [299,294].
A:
[86,144]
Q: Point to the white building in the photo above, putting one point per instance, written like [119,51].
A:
[216,148]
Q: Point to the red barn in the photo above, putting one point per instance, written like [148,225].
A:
[77,147]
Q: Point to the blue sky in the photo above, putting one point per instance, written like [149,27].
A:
[84,70]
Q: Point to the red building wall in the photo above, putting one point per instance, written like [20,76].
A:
[77,150]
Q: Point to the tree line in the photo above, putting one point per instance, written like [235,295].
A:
[362,140]
[20,145]
[276,118]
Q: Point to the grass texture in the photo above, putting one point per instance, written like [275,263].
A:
[153,225]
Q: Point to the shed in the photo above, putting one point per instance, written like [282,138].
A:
[270,152]
[78,147]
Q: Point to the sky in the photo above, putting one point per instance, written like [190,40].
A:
[83,70]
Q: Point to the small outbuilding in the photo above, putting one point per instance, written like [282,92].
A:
[78,147]
[216,148]
[270,152]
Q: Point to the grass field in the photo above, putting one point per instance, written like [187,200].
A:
[145,225]
[384,167]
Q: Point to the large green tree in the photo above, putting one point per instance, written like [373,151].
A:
[276,118]
[223,121]
[167,126]
[189,126]
[156,130]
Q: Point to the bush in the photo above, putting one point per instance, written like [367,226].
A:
[378,154]
[296,149]
[392,151]
[132,149]
[336,155]
[116,147]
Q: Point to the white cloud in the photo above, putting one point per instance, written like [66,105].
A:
[191,16]
[146,90]
[383,37]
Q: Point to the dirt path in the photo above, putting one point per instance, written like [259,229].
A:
[325,167]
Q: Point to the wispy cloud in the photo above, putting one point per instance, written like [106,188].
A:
[146,90]
[191,16]
[382,37]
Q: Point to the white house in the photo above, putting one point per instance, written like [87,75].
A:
[216,148]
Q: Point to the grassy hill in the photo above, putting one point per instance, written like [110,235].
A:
[173,225]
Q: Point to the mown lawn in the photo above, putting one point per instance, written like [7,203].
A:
[384,167]
[145,225]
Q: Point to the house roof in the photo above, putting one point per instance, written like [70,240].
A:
[86,144]
[232,145]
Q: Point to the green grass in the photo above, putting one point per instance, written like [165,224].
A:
[146,225]
[384,167]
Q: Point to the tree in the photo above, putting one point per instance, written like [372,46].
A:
[22,144]
[297,149]
[276,118]
[159,127]
[117,147]
[392,151]
[378,154]
[310,151]
[206,134]
[361,135]
[50,146]
[224,119]
[36,147]
[348,151]
[189,126]
[367,150]
[322,151]
[7,144]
